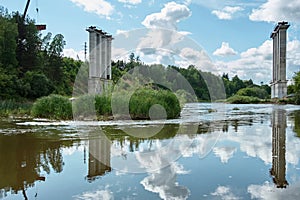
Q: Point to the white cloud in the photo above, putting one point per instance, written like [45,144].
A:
[165,184]
[277,10]
[225,50]
[225,153]
[99,194]
[227,12]
[257,63]
[224,193]
[268,191]
[196,57]
[76,55]
[133,2]
[100,7]
[168,17]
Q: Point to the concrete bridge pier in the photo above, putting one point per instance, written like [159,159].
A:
[279,82]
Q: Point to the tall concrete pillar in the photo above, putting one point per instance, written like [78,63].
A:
[108,68]
[99,60]
[279,82]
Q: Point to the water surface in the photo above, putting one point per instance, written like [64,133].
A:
[214,151]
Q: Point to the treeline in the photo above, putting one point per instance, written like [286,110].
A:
[204,84]
[32,66]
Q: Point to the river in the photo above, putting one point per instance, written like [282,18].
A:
[214,151]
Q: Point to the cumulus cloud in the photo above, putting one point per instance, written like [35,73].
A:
[168,17]
[99,194]
[164,183]
[225,50]
[196,57]
[72,53]
[257,62]
[133,2]
[224,193]
[268,191]
[227,12]
[277,10]
[224,153]
[100,7]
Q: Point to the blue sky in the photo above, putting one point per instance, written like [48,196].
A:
[234,34]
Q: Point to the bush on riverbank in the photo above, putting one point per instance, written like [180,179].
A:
[238,99]
[146,103]
[254,92]
[52,107]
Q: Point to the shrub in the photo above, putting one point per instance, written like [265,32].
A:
[237,99]
[103,105]
[143,99]
[253,92]
[52,107]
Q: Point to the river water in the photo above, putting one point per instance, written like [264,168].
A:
[214,151]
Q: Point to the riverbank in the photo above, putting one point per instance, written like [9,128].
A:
[58,107]
[15,108]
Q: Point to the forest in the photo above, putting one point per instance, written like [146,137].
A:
[32,65]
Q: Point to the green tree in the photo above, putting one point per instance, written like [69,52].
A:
[297,87]
[28,43]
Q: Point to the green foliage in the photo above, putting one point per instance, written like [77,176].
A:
[103,105]
[253,92]
[140,104]
[53,107]
[36,85]
[8,107]
[84,107]
[297,123]
[143,99]
[237,99]
[297,87]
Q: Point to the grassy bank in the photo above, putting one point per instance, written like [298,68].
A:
[15,108]
[238,99]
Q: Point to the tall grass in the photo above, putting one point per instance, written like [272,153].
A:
[12,107]
[52,107]
[94,107]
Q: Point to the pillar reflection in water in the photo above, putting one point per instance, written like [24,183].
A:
[99,157]
[278,170]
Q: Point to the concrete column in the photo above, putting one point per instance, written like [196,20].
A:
[103,57]
[92,54]
[108,69]
[98,57]
[279,82]
[282,34]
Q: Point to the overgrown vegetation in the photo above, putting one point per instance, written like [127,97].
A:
[295,89]
[142,105]
[52,107]
[11,107]
[237,99]
[145,99]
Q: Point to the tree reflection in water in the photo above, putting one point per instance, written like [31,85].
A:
[25,157]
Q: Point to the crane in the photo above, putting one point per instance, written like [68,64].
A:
[39,27]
